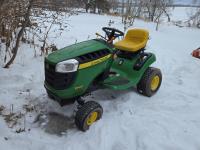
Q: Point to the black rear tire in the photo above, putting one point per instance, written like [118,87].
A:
[144,87]
[84,113]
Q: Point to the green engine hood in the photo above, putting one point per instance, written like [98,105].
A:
[75,50]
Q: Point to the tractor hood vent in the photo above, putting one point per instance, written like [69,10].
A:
[76,50]
[93,56]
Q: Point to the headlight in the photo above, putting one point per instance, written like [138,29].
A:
[70,65]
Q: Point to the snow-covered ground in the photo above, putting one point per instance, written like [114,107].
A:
[168,120]
[181,13]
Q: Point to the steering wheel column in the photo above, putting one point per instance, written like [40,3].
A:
[112,33]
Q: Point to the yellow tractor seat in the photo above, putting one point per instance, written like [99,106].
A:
[134,40]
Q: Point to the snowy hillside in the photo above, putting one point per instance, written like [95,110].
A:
[170,120]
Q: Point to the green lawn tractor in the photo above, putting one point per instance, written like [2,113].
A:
[74,71]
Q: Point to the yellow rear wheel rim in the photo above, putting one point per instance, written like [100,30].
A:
[155,82]
[92,118]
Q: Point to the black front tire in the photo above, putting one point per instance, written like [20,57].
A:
[144,86]
[84,112]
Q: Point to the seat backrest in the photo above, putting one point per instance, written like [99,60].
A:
[139,35]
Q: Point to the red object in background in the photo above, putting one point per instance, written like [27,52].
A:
[196,53]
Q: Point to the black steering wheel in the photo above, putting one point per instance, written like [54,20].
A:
[112,33]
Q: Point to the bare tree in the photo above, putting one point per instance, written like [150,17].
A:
[131,10]
[11,20]
[113,4]
[93,5]
[194,19]
[17,20]
[157,7]
[86,4]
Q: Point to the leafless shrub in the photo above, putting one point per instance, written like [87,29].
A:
[11,118]
[1,109]
[96,6]
[17,23]
[152,10]
[194,19]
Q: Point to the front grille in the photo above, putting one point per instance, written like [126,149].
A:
[92,56]
[59,81]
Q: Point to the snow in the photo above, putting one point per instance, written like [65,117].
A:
[184,2]
[181,13]
[168,120]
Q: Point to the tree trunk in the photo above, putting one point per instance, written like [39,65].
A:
[87,7]
[20,34]
[157,24]
[168,17]
[122,11]
[94,8]
[157,20]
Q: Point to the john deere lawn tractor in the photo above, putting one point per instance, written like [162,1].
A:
[74,71]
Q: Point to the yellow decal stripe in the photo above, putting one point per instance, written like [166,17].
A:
[94,62]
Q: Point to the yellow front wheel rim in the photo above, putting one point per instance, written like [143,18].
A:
[92,118]
[155,82]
